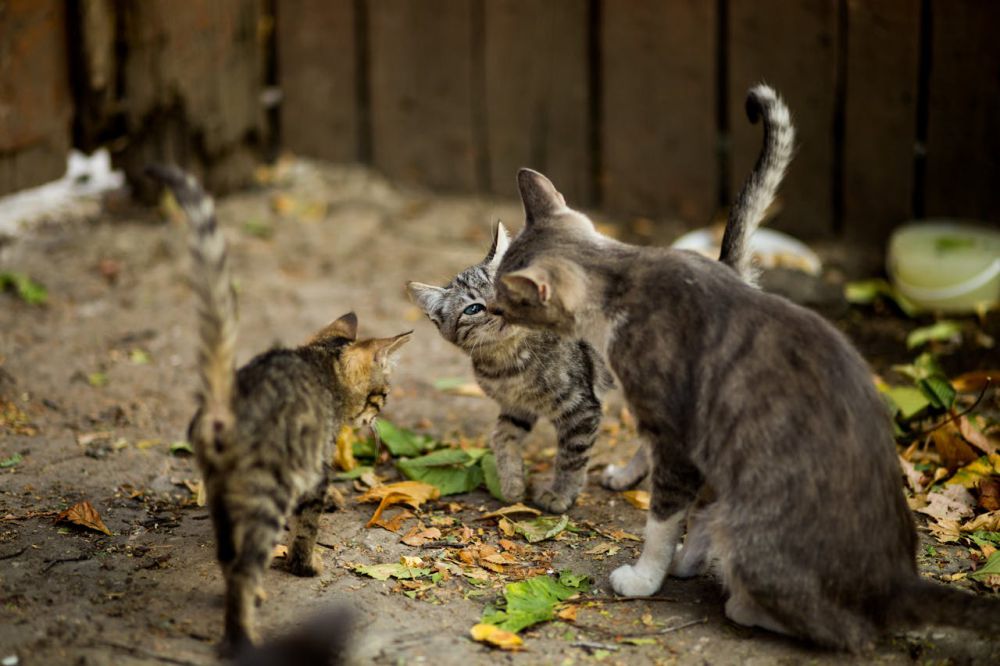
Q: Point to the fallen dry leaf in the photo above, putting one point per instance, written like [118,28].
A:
[512,510]
[568,613]
[914,477]
[976,437]
[344,456]
[495,636]
[417,537]
[84,514]
[506,527]
[989,494]
[989,522]
[393,524]
[953,502]
[954,451]
[412,493]
[280,550]
[974,382]
[621,535]
[637,498]
[946,531]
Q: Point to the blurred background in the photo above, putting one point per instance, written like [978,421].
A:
[633,107]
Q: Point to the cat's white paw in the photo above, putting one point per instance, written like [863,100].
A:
[512,489]
[687,563]
[634,581]
[615,477]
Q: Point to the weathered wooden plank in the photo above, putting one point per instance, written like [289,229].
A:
[963,126]
[658,134]
[317,68]
[35,102]
[421,74]
[880,116]
[192,80]
[538,94]
[791,45]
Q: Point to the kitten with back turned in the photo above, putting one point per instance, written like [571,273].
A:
[264,435]
[533,373]
[757,399]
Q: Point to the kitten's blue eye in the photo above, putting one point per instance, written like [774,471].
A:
[475,308]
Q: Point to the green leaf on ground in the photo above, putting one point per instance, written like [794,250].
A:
[491,476]
[534,600]
[258,229]
[938,390]
[26,289]
[941,331]
[181,446]
[983,538]
[449,383]
[355,473]
[452,471]
[402,442]
[865,292]
[97,379]
[139,357]
[541,528]
[992,567]
[389,570]
[908,400]
[13,461]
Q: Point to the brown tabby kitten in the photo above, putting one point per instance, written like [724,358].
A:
[756,398]
[264,436]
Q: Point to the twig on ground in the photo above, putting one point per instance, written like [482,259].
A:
[444,544]
[683,625]
[63,560]
[590,645]
[17,553]
[326,545]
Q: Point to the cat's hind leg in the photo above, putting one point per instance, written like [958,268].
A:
[692,558]
[577,430]
[510,430]
[615,477]
[303,560]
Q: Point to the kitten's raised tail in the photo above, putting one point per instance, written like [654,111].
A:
[924,602]
[216,308]
[762,184]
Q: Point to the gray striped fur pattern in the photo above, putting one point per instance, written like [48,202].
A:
[764,428]
[264,436]
[759,190]
[530,374]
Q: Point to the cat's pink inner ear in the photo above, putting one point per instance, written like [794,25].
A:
[343,327]
[387,347]
[528,284]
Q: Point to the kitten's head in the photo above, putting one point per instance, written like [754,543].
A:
[459,310]
[539,283]
[362,367]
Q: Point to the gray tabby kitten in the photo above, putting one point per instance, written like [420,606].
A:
[528,373]
[532,373]
[757,399]
[264,436]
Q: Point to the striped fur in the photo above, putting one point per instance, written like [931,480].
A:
[762,184]
[530,374]
[265,435]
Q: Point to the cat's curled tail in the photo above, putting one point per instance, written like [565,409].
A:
[762,184]
[216,311]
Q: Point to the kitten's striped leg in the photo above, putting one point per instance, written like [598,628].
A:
[302,558]
[622,478]
[511,429]
[577,430]
[243,575]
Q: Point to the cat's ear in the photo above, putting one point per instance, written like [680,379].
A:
[343,327]
[539,196]
[501,241]
[387,348]
[425,295]
[532,284]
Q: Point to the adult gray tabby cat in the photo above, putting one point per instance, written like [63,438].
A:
[532,373]
[264,436]
[755,398]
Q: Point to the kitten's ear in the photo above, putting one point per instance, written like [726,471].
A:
[532,284]
[386,348]
[344,327]
[501,241]
[539,196]
[426,296]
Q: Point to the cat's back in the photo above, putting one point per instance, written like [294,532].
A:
[279,382]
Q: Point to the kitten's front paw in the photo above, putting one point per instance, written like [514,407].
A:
[512,489]
[631,581]
[615,478]
[552,501]
[306,566]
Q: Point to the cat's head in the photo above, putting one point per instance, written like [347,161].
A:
[362,367]
[540,283]
[459,310]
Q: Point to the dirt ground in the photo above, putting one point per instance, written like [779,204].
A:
[104,374]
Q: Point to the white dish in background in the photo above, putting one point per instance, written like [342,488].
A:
[946,266]
[771,249]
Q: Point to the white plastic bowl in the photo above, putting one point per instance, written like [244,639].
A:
[946,266]
[771,249]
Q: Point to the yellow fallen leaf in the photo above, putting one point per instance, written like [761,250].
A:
[622,534]
[280,550]
[511,510]
[411,562]
[945,531]
[495,636]
[85,515]
[506,527]
[396,522]
[418,537]
[637,498]
[344,457]
[412,493]
[989,522]
[144,444]
[568,613]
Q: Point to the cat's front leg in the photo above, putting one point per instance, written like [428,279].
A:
[622,478]
[302,558]
[510,431]
[577,431]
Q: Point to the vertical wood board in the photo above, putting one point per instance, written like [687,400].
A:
[658,134]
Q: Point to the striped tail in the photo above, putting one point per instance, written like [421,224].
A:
[762,184]
[216,312]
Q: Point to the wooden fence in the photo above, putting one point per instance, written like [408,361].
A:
[635,106]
